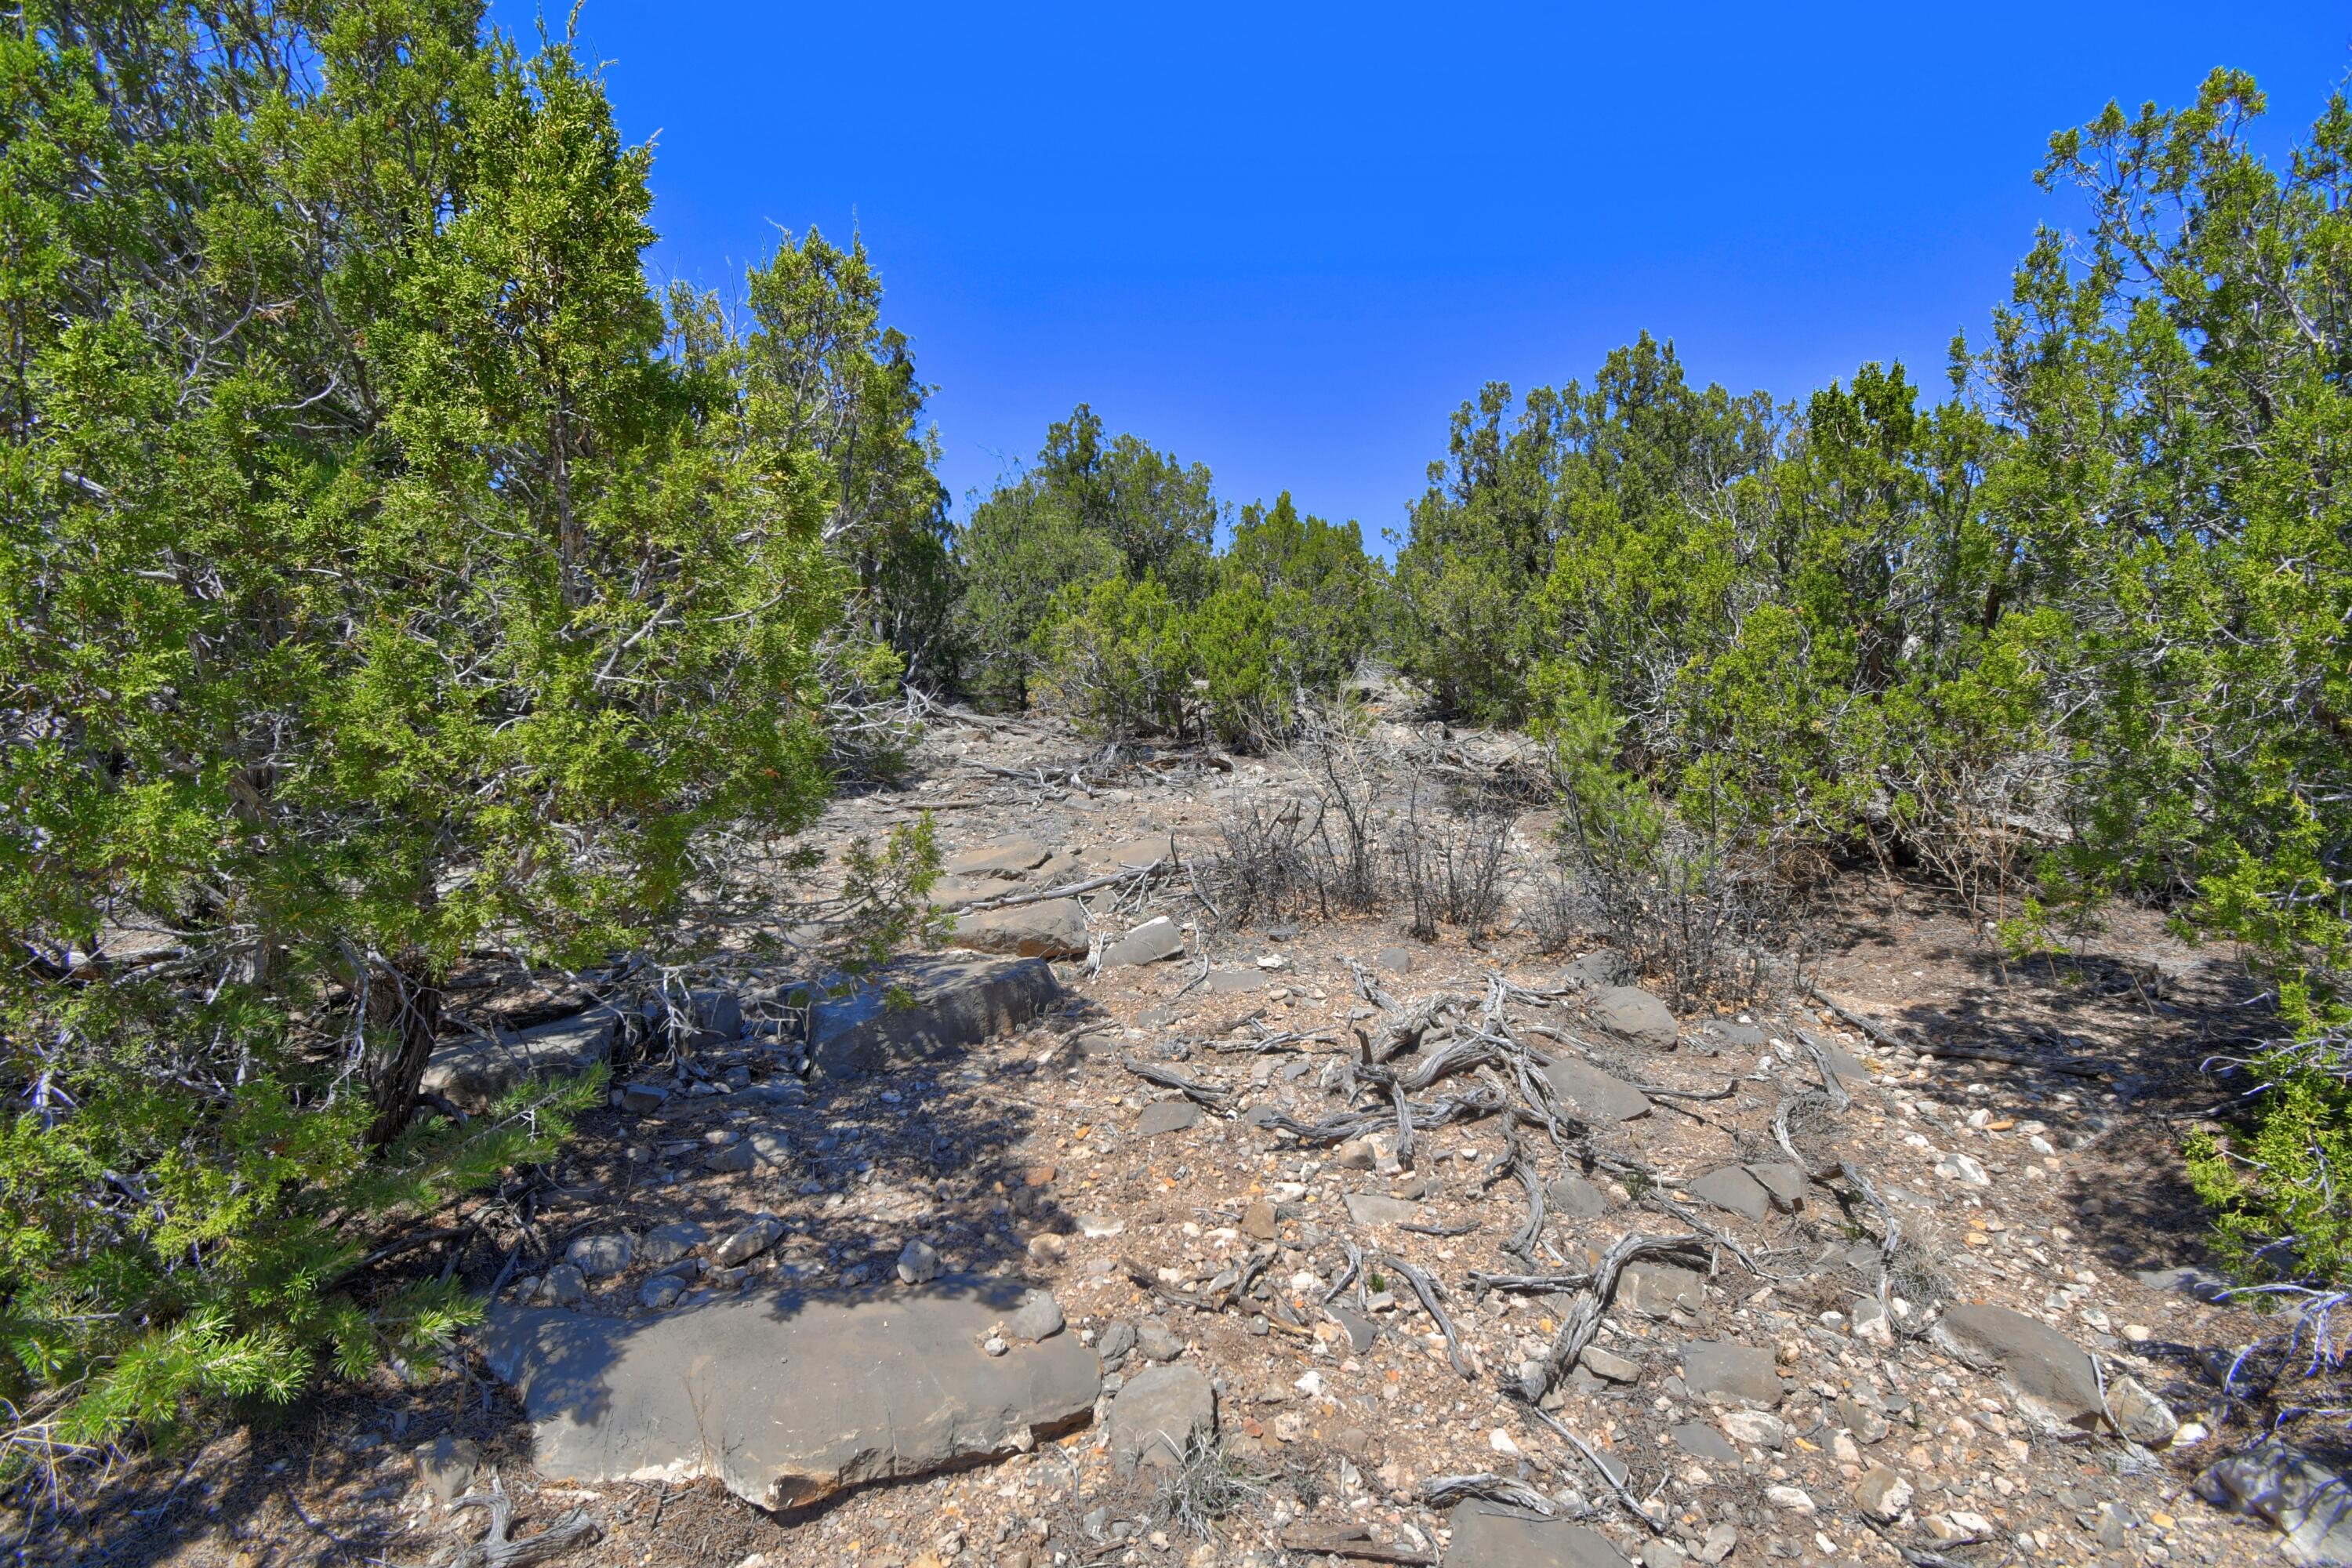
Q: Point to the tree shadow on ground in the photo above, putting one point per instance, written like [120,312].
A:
[934,1149]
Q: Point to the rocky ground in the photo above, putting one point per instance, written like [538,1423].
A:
[1106,1245]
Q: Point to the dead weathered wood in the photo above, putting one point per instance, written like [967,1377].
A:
[495,1550]
[1364,1548]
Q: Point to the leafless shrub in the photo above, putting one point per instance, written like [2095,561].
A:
[1449,867]
[1351,767]
[1269,865]
[1714,919]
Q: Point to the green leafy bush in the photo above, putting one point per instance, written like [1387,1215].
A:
[376,587]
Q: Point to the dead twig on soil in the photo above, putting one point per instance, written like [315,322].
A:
[496,1550]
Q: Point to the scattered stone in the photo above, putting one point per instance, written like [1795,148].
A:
[1157,1415]
[1374,1208]
[1157,1340]
[2304,1500]
[1724,1370]
[1260,1221]
[1040,1318]
[1360,1332]
[445,1466]
[1635,1015]
[1964,1168]
[1883,1494]
[1866,1424]
[1573,1197]
[1395,959]
[1720,1540]
[564,1285]
[1167,1116]
[1794,1499]
[918,1262]
[1488,1535]
[1756,1428]
[661,1291]
[748,1243]
[1595,1095]
[786,1404]
[638,1099]
[1733,1190]
[1051,927]
[1149,942]
[2139,1415]
[2197,1283]
[1608,1363]
[919,1006]
[1115,1342]
[1656,1289]
[1958,1527]
[1703,1441]
[2048,1372]
[598,1256]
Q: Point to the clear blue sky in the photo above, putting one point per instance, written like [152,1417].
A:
[1287,240]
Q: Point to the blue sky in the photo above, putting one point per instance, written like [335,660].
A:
[1286,241]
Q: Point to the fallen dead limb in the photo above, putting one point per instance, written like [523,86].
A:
[1444,1491]
[1427,1290]
[496,1550]
[1324,1543]
[1208,1096]
[1582,1318]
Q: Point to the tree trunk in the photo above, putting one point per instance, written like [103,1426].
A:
[403,1011]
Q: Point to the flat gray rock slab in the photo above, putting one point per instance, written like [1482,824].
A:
[1228,982]
[1126,856]
[475,1075]
[1159,1413]
[1655,1288]
[1002,857]
[1488,1536]
[1374,1208]
[2049,1373]
[953,1002]
[1702,1441]
[1733,1190]
[1634,1014]
[1051,927]
[1725,1371]
[1594,1095]
[1167,1116]
[787,1399]
[1603,969]
[1573,1197]
[1149,942]
[2211,1288]
[1785,1182]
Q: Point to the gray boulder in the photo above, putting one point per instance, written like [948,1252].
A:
[1040,1318]
[2049,1373]
[1375,1209]
[1733,1190]
[786,1399]
[2310,1504]
[1655,1288]
[1786,1183]
[1595,1095]
[1725,1371]
[1635,1015]
[598,1256]
[1149,942]
[1603,969]
[1703,1441]
[1488,1535]
[1573,1197]
[1051,928]
[445,1466]
[1157,1415]
[950,1002]
[1167,1116]
[748,1243]
[475,1074]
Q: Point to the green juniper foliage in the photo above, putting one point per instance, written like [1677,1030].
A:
[386,572]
